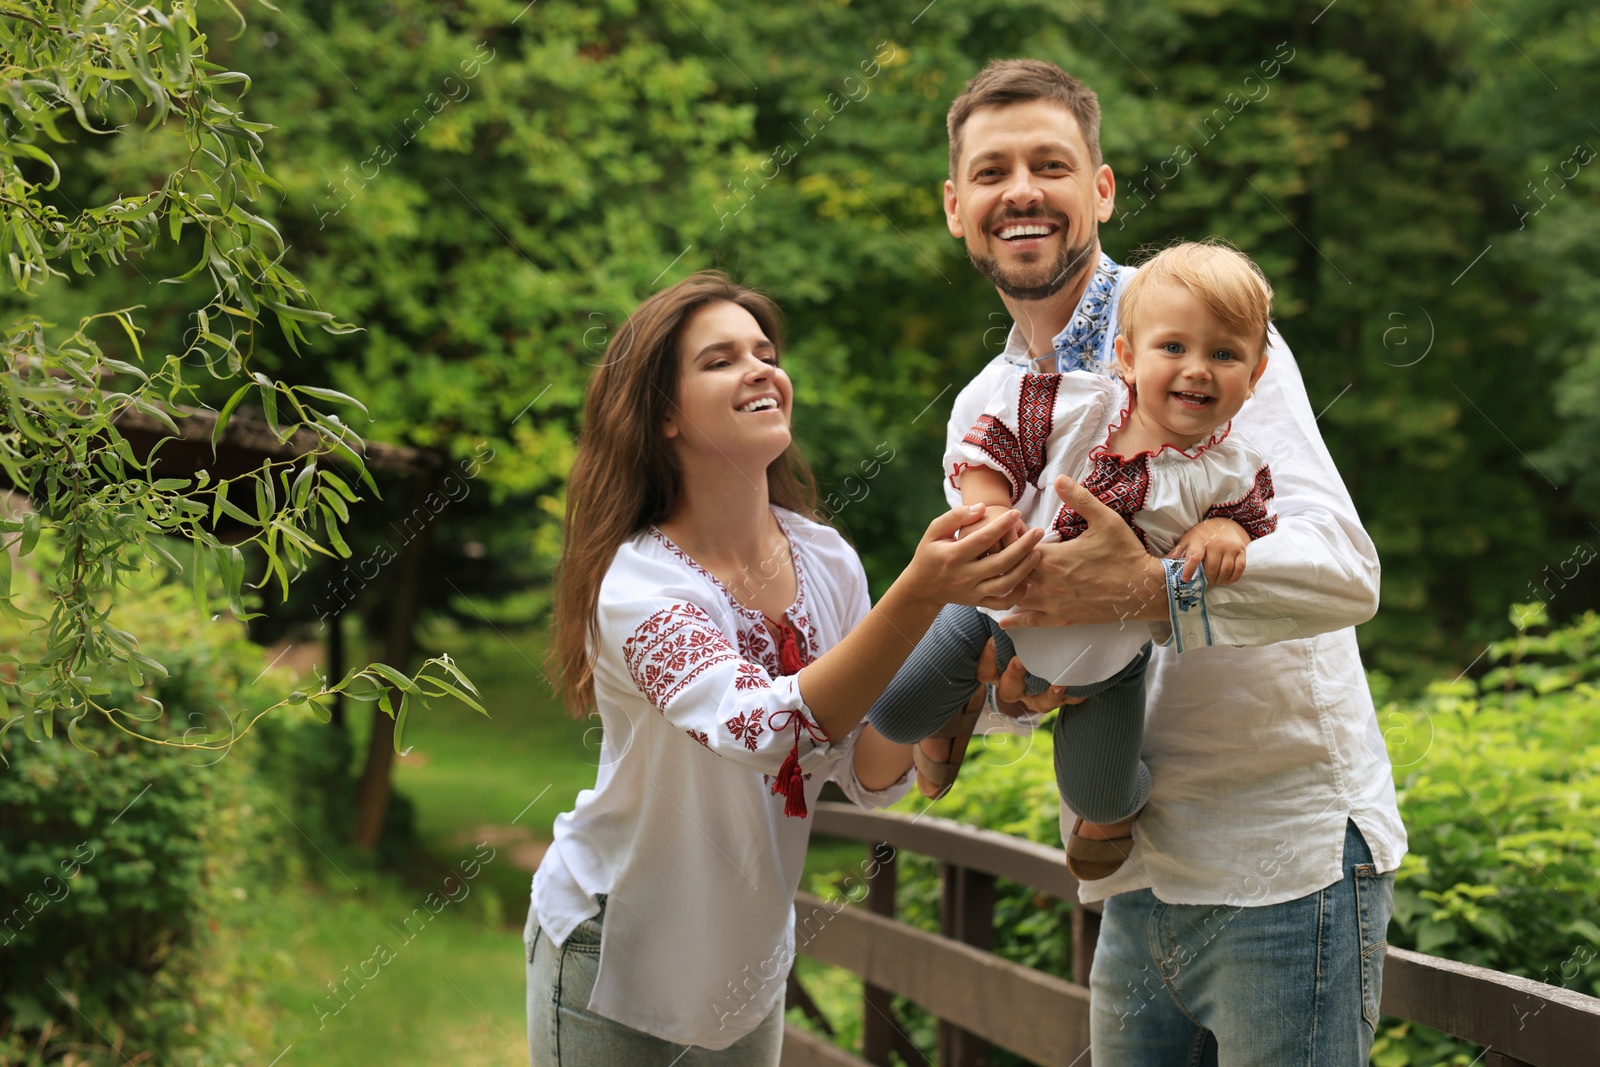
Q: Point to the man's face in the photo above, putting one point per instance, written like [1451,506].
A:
[1027,199]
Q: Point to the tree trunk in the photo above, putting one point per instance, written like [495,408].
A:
[372,796]
[336,667]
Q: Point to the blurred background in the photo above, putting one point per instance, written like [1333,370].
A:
[487,189]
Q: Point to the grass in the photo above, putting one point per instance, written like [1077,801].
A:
[453,990]
[449,988]
[519,766]
[347,981]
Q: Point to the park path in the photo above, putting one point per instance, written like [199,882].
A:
[521,848]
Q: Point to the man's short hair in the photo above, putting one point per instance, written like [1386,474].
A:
[1020,81]
[1224,279]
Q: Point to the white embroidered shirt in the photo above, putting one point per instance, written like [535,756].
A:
[682,829]
[1037,426]
[1260,733]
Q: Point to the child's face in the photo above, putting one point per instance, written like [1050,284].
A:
[1190,372]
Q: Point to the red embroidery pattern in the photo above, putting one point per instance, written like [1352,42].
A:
[670,649]
[750,677]
[755,642]
[1123,485]
[1021,455]
[1035,418]
[1253,511]
[700,736]
[995,439]
[746,727]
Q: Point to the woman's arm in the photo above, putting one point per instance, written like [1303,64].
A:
[841,685]
[656,641]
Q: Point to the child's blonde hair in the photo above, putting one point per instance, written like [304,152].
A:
[1225,280]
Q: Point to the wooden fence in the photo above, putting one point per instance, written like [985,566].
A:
[982,1000]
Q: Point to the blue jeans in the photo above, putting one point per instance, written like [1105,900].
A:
[1294,984]
[563,1032]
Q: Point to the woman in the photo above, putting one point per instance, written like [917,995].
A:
[730,648]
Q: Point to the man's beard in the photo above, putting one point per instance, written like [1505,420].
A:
[1063,270]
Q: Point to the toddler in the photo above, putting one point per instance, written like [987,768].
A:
[1154,445]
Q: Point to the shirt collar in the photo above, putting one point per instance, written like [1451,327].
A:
[1079,345]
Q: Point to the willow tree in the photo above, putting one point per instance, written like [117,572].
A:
[81,78]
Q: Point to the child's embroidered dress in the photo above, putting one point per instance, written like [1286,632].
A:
[1037,426]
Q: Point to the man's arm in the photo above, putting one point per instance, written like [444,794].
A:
[1316,573]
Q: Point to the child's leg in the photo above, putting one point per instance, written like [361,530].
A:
[1098,768]
[938,677]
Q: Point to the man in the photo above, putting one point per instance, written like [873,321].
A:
[1252,912]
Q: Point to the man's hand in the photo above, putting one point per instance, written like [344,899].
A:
[1102,575]
[1219,544]
[1010,695]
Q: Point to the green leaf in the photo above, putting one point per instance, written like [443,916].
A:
[447,688]
[332,396]
[31,525]
[225,414]
[394,677]
[294,314]
[400,722]
[330,525]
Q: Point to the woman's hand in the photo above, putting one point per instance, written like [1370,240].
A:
[973,570]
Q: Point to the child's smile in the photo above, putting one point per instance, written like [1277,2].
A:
[1189,371]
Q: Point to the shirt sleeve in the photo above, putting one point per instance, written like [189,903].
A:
[687,668]
[1319,571]
[1013,433]
[1249,504]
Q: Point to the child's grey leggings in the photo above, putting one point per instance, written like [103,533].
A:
[1098,768]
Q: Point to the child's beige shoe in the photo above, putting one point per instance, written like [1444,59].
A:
[1090,859]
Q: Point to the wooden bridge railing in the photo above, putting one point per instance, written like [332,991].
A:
[982,1000]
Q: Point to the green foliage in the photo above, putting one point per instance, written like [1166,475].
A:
[490,209]
[1499,785]
[1499,788]
[65,395]
[116,865]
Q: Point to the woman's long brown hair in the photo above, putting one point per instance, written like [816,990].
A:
[626,475]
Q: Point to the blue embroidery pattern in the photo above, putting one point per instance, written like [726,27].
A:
[1078,346]
[1184,597]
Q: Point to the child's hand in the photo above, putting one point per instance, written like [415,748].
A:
[1219,544]
[1016,530]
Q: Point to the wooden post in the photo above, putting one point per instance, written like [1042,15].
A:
[966,914]
[1085,935]
[877,1005]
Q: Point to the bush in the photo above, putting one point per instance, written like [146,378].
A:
[116,862]
[1499,786]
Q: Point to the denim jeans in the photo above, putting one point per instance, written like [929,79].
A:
[1294,984]
[563,1032]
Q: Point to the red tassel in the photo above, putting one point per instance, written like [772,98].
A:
[791,782]
[789,659]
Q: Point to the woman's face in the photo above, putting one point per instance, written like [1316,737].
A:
[734,401]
